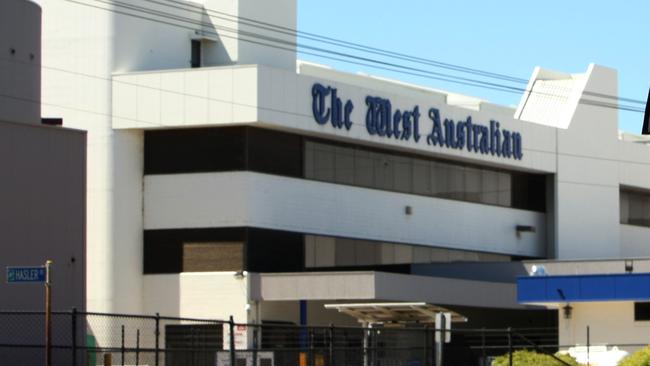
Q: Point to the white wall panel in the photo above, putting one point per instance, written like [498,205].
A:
[635,241]
[280,98]
[209,295]
[260,200]
[610,323]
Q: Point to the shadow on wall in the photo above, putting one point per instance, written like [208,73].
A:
[160,45]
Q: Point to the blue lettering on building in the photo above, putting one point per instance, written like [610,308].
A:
[486,140]
[328,107]
[383,121]
[400,125]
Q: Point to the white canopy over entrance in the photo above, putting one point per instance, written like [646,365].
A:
[395,312]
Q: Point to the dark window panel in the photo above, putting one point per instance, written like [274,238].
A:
[162,257]
[196,54]
[194,150]
[635,207]
[367,167]
[275,152]
[641,311]
[528,192]
[274,251]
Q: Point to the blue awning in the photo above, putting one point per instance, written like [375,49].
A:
[583,288]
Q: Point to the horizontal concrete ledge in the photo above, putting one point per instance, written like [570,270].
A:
[382,286]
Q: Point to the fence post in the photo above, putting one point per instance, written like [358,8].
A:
[311,346]
[331,345]
[509,346]
[255,345]
[484,363]
[426,346]
[157,334]
[137,348]
[588,345]
[73,314]
[231,326]
[122,346]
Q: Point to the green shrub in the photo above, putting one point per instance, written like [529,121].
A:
[530,358]
[638,358]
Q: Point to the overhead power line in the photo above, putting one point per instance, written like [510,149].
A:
[357,46]
[285,45]
[336,42]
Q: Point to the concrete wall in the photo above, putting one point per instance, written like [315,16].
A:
[610,323]
[83,47]
[42,213]
[211,295]
[587,177]
[588,172]
[77,63]
[20,60]
[259,200]
[250,94]
[635,241]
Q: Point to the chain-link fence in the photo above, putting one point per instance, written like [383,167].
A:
[92,339]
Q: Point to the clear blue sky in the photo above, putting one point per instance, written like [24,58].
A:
[508,37]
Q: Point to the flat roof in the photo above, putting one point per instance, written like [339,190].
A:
[382,287]
[395,312]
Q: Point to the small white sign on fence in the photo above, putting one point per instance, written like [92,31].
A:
[446,328]
[241,336]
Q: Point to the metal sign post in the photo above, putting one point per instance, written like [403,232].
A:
[442,334]
[39,274]
[440,337]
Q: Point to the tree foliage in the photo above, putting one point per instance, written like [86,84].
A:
[638,358]
[530,358]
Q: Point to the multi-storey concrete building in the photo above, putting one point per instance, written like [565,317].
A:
[225,177]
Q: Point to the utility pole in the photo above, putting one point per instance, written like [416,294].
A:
[646,120]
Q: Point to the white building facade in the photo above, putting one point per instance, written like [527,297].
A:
[225,178]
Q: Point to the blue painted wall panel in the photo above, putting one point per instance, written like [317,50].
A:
[596,288]
[562,289]
[631,288]
[532,291]
[582,288]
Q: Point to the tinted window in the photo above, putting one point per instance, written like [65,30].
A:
[194,150]
[274,152]
[641,311]
[389,171]
[635,207]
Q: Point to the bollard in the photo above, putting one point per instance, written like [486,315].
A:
[108,359]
